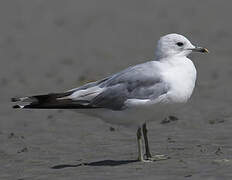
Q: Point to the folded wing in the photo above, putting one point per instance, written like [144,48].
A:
[136,82]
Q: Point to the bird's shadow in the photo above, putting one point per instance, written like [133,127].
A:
[96,163]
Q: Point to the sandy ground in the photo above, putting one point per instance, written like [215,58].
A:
[50,46]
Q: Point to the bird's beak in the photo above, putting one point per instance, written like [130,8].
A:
[199,49]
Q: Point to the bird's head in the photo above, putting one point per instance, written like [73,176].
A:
[176,45]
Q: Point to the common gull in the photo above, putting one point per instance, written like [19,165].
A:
[134,96]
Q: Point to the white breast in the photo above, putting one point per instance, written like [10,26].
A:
[180,75]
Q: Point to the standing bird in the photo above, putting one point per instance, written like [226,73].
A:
[138,94]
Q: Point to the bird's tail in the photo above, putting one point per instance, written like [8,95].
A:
[50,101]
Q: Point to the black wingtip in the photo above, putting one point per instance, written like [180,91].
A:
[16,107]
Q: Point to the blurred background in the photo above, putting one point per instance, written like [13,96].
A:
[54,45]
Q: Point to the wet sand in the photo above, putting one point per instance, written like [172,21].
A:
[51,46]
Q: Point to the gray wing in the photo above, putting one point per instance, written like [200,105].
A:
[137,82]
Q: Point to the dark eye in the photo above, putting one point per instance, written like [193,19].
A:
[179,44]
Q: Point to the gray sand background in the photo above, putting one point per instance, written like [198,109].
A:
[51,46]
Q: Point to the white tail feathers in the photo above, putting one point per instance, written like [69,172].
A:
[24,99]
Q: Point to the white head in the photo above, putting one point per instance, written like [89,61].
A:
[175,45]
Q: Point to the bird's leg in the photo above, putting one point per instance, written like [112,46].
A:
[147,150]
[139,140]
[140,148]
[147,153]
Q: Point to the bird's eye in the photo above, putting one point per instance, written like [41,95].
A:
[179,44]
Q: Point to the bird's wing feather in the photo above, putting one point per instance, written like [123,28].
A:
[141,82]
[136,82]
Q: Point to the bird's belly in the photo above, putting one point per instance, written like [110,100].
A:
[131,117]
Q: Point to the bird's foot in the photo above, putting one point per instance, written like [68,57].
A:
[142,159]
[158,157]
